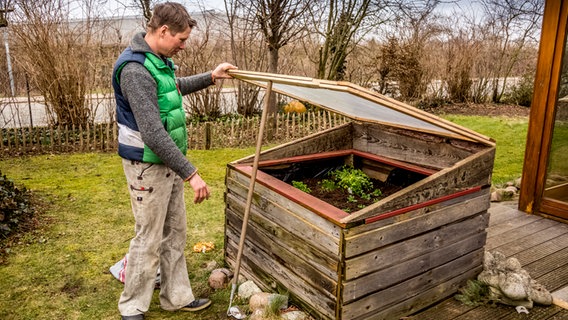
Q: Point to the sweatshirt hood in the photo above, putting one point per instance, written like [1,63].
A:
[138,44]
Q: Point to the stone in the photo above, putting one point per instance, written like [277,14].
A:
[502,195]
[511,190]
[517,182]
[261,300]
[247,289]
[510,284]
[295,315]
[219,278]
[257,315]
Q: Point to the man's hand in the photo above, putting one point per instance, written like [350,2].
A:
[200,189]
[221,71]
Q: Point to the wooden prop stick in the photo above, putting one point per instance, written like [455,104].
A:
[250,190]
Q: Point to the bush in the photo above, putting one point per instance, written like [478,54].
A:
[521,94]
[15,207]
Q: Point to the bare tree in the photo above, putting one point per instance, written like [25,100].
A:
[510,26]
[246,53]
[280,23]
[205,49]
[341,25]
[57,52]
[416,24]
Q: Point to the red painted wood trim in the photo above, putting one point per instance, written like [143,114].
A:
[308,157]
[343,153]
[395,163]
[421,205]
[321,208]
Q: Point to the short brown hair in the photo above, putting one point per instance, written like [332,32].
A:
[172,14]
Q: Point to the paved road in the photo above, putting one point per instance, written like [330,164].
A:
[15,112]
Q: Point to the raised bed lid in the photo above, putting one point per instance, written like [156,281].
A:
[360,104]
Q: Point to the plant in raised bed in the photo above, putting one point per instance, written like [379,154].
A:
[356,187]
[302,186]
[355,182]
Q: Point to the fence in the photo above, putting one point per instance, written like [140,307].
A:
[232,133]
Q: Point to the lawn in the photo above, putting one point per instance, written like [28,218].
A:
[61,271]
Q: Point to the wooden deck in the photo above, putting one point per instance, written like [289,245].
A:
[540,245]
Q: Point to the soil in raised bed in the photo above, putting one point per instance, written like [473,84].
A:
[311,174]
[339,197]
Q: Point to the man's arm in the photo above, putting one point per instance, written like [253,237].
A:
[140,90]
[194,83]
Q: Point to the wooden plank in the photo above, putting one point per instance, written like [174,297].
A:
[510,219]
[292,217]
[359,243]
[271,233]
[554,280]
[534,239]
[278,253]
[516,231]
[561,315]
[413,302]
[367,159]
[410,248]
[471,172]
[412,287]
[542,250]
[256,263]
[487,313]
[413,213]
[547,264]
[537,312]
[501,213]
[384,278]
[337,138]
[427,150]
[266,183]
[449,308]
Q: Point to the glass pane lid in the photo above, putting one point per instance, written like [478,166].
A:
[359,104]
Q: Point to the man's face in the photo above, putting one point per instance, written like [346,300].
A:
[171,44]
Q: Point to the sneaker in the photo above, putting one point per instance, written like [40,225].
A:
[135,317]
[196,305]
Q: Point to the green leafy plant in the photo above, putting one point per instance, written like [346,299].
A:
[328,185]
[355,182]
[302,186]
[475,293]
[15,206]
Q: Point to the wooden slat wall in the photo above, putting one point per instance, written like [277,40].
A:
[432,247]
[408,146]
[286,244]
[338,138]
[472,172]
[358,243]
[412,247]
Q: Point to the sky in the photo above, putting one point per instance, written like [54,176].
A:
[118,7]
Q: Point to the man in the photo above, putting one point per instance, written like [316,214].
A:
[153,142]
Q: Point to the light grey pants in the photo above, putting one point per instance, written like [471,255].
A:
[156,194]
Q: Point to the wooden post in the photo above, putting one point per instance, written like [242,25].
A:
[207,135]
[251,184]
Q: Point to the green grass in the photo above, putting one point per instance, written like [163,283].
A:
[510,135]
[62,272]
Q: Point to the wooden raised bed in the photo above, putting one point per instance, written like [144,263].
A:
[390,259]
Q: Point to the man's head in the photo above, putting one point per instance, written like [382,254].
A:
[169,28]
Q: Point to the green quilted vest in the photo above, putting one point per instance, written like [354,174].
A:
[170,103]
